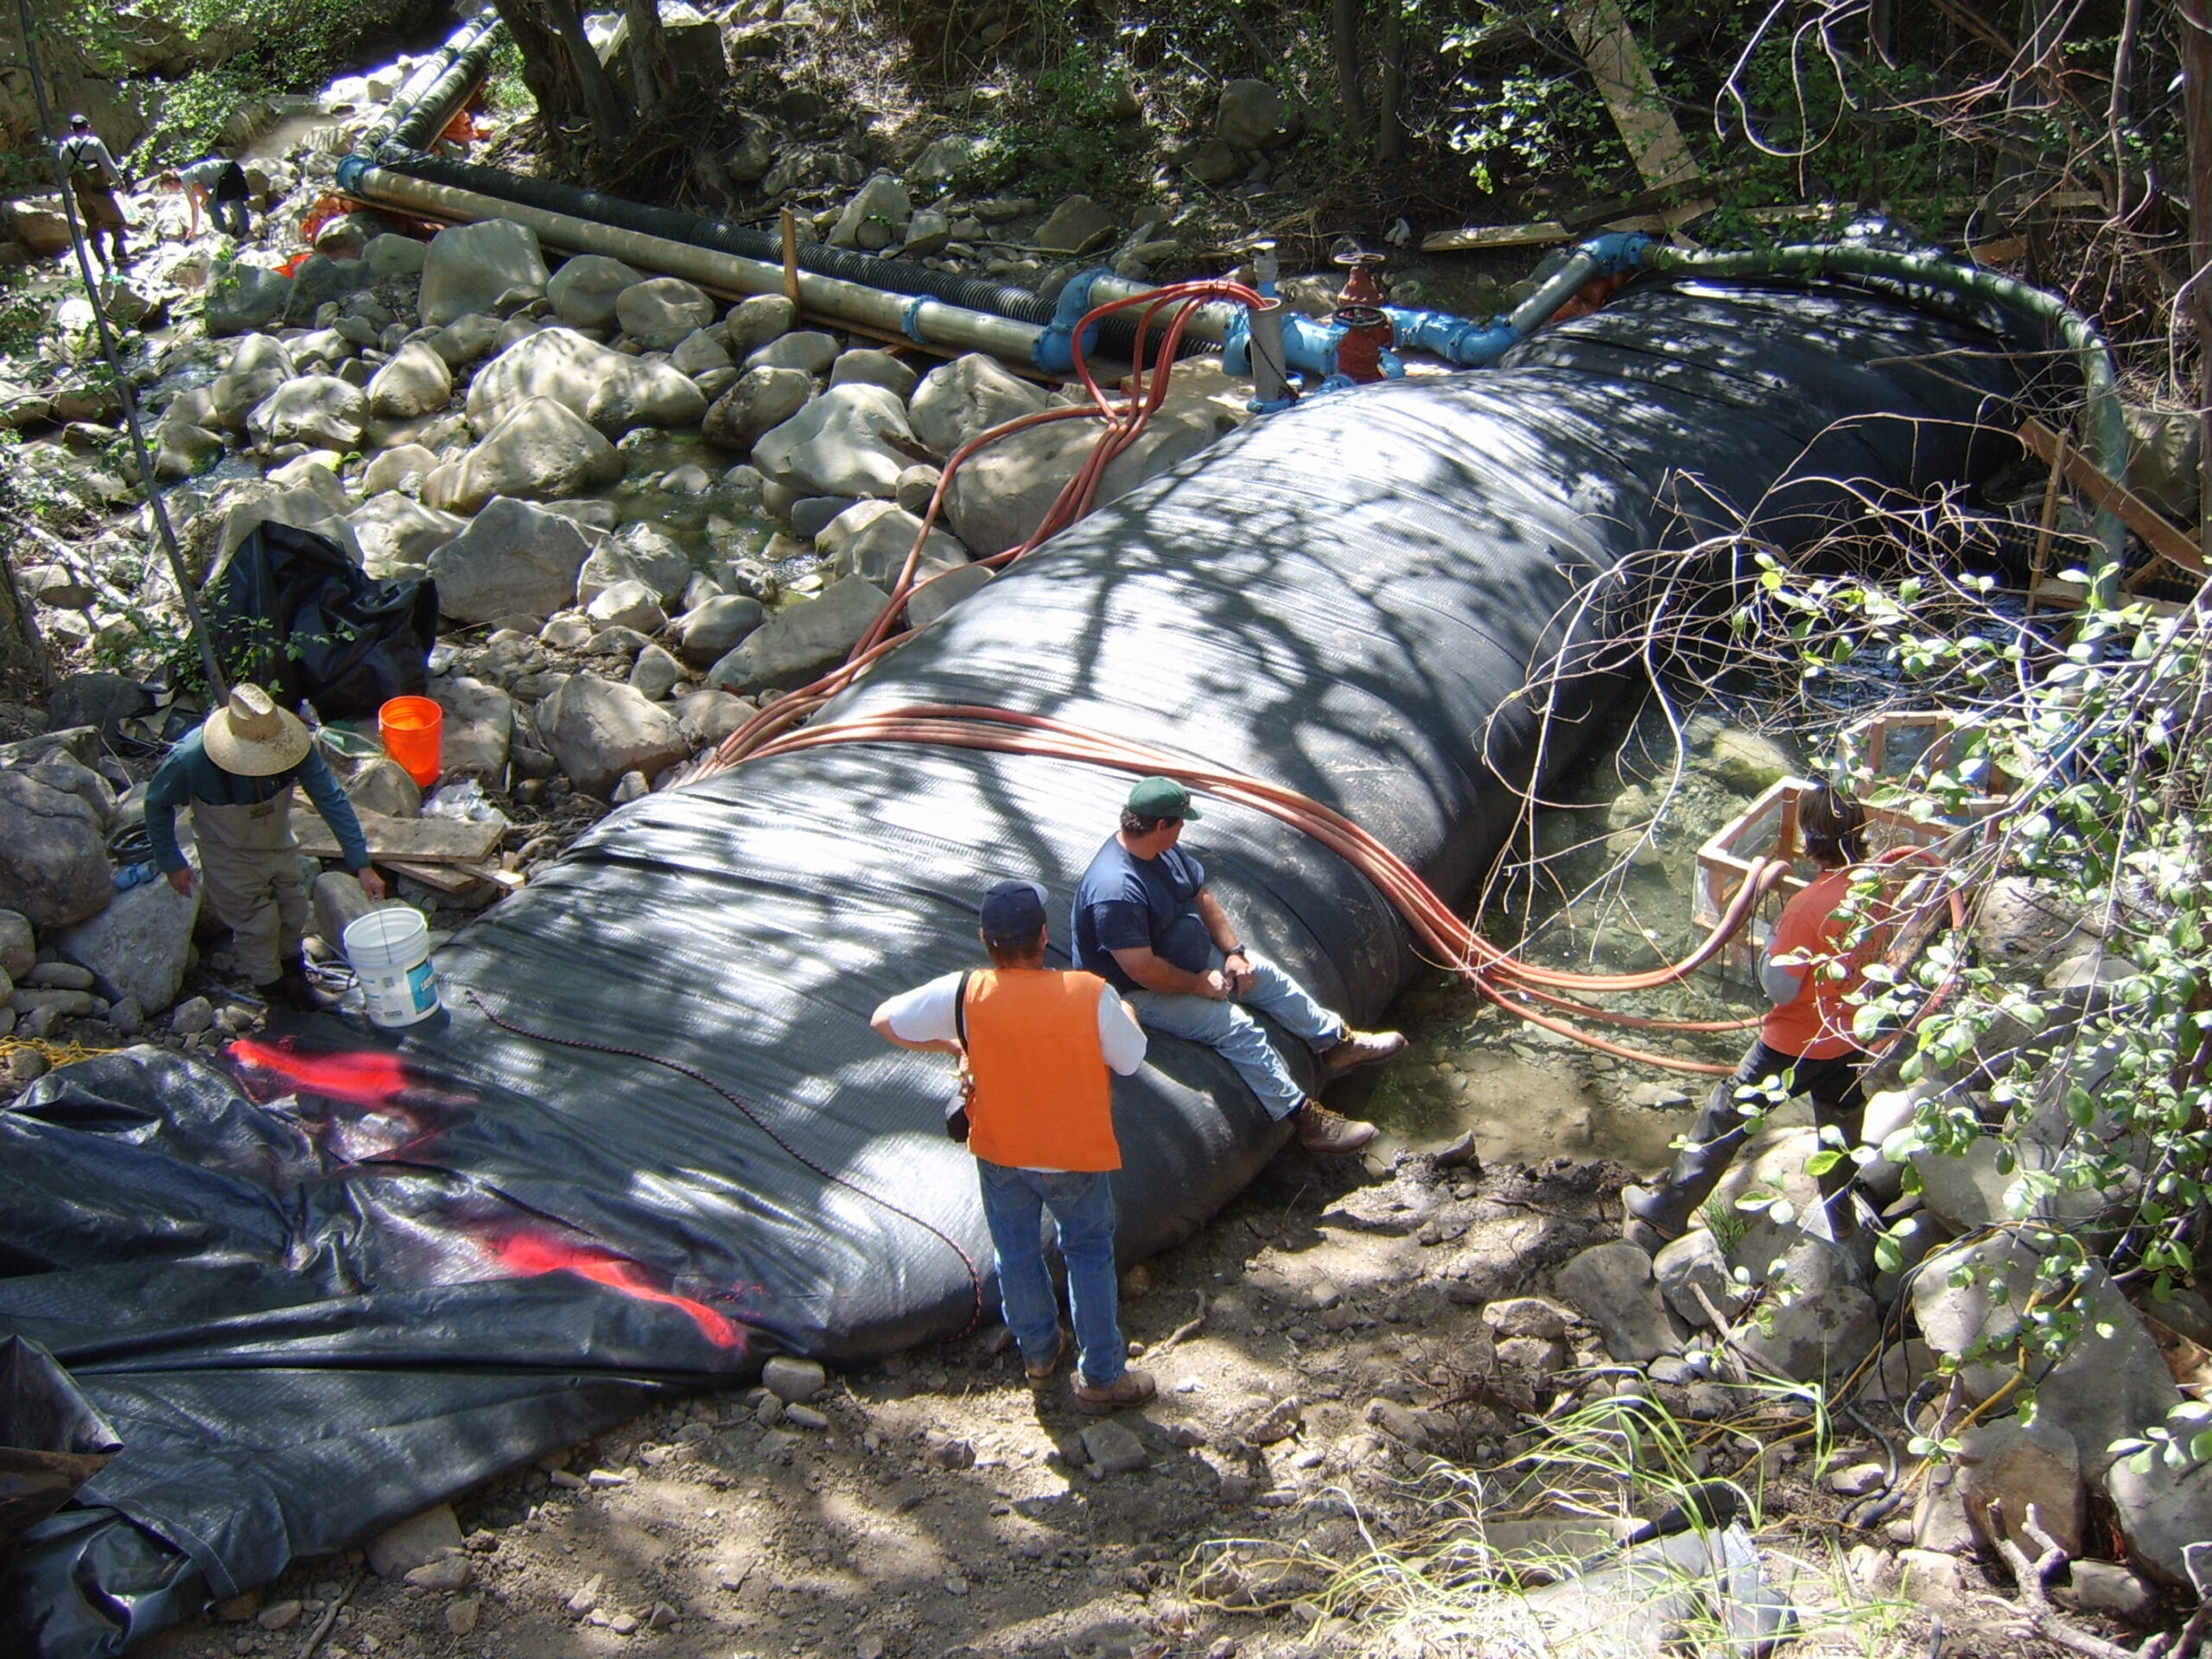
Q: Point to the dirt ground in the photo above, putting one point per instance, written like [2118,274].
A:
[1303,1344]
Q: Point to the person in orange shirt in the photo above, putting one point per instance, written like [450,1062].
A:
[1036,1043]
[1815,962]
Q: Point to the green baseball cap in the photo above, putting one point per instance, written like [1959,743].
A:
[1162,798]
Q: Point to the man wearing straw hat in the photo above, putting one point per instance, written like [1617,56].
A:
[236,774]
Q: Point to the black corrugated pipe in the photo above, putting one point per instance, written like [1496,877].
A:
[420,110]
[893,276]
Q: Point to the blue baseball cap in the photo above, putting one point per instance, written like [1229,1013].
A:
[1014,911]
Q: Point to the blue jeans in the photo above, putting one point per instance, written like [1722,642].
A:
[1227,1028]
[1014,1201]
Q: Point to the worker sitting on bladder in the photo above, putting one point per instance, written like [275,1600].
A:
[236,773]
[1145,923]
[1036,1043]
[94,179]
[216,179]
[1815,962]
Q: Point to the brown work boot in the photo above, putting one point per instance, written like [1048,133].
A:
[1320,1130]
[1130,1389]
[1363,1048]
[1040,1373]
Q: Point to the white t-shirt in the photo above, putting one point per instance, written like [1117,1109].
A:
[930,1013]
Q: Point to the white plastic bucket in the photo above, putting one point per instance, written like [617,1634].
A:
[390,950]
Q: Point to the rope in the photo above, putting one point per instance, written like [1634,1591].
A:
[974,1277]
[56,1055]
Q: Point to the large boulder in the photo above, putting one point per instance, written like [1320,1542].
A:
[467,339]
[938,593]
[514,558]
[260,365]
[2110,1384]
[397,534]
[405,466]
[1001,494]
[613,391]
[710,631]
[136,947]
[584,291]
[244,298]
[1253,115]
[808,349]
[867,366]
[753,322]
[876,216]
[467,267]
[1076,225]
[658,313]
[54,867]
[801,640]
[2017,1466]
[2162,1511]
[416,381]
[539,450]
[871,540]
[762,400]
[1819,1335]
[389,256]
[638,552]
[700,351]
[479,728]
[1611,1285]
[836,444]
[968,396]
[319,410]
[598,731]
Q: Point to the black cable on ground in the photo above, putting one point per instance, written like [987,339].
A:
[974,1277]
[217,685]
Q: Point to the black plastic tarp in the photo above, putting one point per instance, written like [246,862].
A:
[291,611]
[336,1284]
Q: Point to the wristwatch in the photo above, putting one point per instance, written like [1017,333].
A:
[1234,950]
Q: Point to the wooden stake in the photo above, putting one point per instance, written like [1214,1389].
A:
[789,221]
[2039,565]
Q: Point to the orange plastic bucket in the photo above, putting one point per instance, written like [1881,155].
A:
[413,730]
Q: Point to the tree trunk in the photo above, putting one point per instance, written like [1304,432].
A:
[562,71]
[2194,24]
[545,66]
[1344,31]
[1390,132]
[651,73]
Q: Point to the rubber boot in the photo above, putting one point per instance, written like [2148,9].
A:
[1665,1210]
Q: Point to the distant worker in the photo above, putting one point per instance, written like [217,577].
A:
[1145,923]
[1036,1043]
[94,179]
[1809,971]
[216,179]
[237,773]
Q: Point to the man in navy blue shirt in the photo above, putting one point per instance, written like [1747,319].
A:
[1144,922]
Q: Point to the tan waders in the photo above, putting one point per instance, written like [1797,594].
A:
[250,864]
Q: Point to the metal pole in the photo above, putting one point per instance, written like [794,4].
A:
[130,399]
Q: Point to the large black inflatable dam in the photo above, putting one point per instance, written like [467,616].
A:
[322,1288]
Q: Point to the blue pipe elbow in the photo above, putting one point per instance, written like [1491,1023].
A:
[1618,250]
[1457,341]
[1054,351]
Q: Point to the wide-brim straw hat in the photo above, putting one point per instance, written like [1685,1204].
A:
[254,738]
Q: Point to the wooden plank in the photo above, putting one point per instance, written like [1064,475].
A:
[1624,80]
[452,880]
[2158,534]
[423,841]
[1548,232]
[2055,593]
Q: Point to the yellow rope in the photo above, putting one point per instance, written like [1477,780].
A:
[56,1055]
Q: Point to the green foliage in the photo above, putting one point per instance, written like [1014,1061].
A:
[2092,1086]
[1073,125]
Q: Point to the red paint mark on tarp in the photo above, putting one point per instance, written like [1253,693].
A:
[362,1077]
[526,1254]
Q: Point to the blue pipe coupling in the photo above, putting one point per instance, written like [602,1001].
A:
[1054,351]
[350,171]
